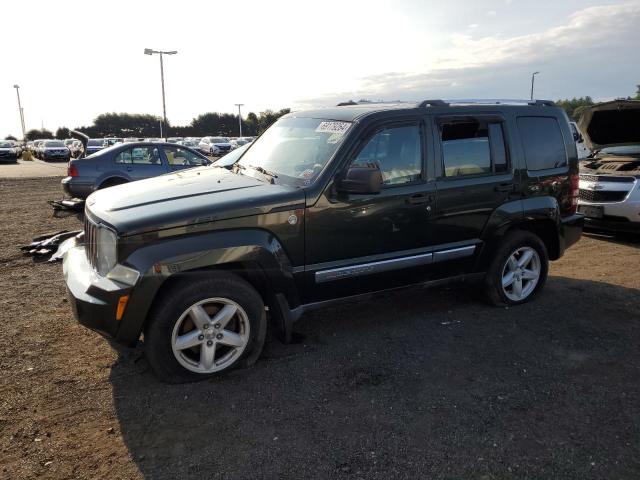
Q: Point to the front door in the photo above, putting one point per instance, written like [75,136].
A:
[362,242]
[179,158]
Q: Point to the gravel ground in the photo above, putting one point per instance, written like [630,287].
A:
[427,385]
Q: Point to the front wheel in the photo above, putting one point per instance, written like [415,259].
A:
[205,326]
[518,271]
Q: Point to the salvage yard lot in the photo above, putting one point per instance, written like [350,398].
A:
[431,384]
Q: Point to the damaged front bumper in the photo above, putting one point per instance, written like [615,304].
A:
[94,299]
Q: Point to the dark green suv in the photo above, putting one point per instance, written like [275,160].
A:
[326,205]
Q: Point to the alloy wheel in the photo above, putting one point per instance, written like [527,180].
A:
[521,274]
[210,335]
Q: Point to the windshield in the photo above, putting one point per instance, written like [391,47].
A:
[95,143]
[6,144]
[219,140]
[296,149]
[54,144]
[231,158]
[621,150]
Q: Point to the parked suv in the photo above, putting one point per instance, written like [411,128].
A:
[610,177]
[326,205]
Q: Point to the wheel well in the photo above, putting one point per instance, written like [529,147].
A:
[112,182]
[249,271]
[547,231]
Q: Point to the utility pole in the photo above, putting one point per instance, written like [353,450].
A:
[21,111]
[533,78]
[148,51]
[239,116]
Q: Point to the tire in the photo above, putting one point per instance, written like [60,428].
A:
[173,318]
[211,153]
[508,257]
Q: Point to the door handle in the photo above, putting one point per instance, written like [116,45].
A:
[504,187]
[419,198]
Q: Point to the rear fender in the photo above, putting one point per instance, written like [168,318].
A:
[540,215]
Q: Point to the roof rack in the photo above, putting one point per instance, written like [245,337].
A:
[492,101]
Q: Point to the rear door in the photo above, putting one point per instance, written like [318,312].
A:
[141,161]
[474,175]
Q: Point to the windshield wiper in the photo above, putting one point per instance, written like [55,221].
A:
[270,175]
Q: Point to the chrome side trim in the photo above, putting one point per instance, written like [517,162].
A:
[454,253]
[331,274]
[372,267]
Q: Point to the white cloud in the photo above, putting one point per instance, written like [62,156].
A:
[601,34]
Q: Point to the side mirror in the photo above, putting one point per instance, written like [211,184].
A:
[365,179]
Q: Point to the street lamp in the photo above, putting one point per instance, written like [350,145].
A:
[533,77]
[239,116]
[17,87]
[148,51]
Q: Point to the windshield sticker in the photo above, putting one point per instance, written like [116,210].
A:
[338,128]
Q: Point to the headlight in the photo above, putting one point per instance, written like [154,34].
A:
[107,250]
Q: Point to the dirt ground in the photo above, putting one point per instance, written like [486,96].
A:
[428,385]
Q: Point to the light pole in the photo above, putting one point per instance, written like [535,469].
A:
[533,78]
[239,116]
[17,87]
[148,51]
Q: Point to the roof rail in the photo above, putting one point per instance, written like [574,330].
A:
[432,103]
[500,101]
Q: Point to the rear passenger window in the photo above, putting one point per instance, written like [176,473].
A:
[472,147]
[139,155]
[542,142]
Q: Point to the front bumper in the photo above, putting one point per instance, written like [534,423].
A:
[93,298]
[618,216]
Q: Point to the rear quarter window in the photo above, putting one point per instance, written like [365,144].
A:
[542,142]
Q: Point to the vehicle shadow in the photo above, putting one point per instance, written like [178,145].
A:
[628,239]
[415,384]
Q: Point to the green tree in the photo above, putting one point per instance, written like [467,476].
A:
[575,106]
[268,118]
[35,134]
[11,137]
[637,97]
[62,133]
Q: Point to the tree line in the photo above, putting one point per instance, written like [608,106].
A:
[223,124]
[124,125]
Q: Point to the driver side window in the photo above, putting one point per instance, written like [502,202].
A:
[397,152]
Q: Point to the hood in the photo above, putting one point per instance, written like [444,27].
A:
[611,124]
[189,197]
[80,136]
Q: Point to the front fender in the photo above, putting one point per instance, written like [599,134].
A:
[158,262]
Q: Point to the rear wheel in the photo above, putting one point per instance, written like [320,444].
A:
[518,271]
[204,327]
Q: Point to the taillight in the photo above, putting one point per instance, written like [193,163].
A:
[72,170]
[574,185]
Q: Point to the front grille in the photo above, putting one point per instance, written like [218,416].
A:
[91,241]
[606,178]
[224,148]
[601,196]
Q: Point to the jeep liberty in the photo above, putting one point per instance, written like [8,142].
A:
[326,205]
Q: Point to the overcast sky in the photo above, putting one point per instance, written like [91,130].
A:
[75,60]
